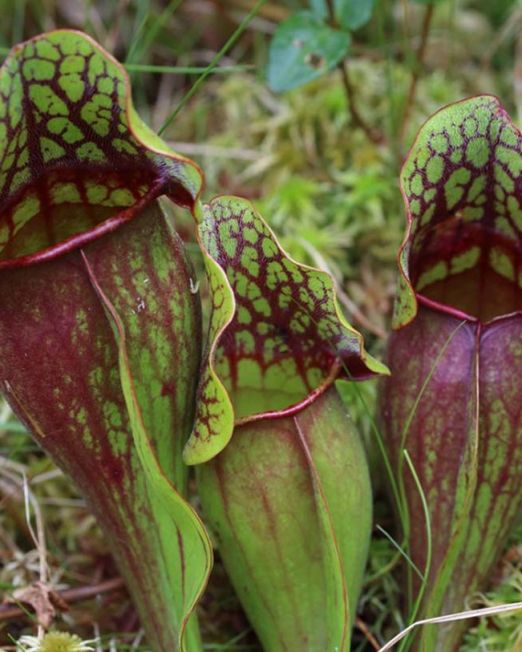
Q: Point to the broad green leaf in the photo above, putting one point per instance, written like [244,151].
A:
[319,8]
[303,48]
[350,14]
[186,548]
[278,338]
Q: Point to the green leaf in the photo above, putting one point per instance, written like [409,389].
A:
[303,48]
[350,14]
[188,561]
[277,337]
[319,9]
[353,14]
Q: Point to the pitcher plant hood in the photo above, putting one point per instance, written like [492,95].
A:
[453,400]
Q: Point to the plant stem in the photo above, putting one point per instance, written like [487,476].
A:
[421,52]
[357,119]
[271,11]
[186,70]
[360,624]
[349,90]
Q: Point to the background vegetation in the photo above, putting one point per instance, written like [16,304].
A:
[322,163]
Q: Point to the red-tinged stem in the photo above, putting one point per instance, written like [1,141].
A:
[350,92]
[363,627]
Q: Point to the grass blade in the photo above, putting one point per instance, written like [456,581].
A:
[217,58]
[448,618]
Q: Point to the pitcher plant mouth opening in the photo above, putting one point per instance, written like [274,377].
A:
[463,191]
[67,208]
[467,269]
[76,161]
[277,337]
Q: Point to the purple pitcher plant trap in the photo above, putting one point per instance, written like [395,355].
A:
[454,399]
[104,360]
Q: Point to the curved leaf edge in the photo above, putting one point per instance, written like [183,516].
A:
[195,452]
[407,299]
[172,500]
[144,136]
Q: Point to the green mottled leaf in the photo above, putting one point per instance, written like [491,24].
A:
[75,159]
[303,48]
[350,14]
[188,563]
[463,170]
[277,336]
